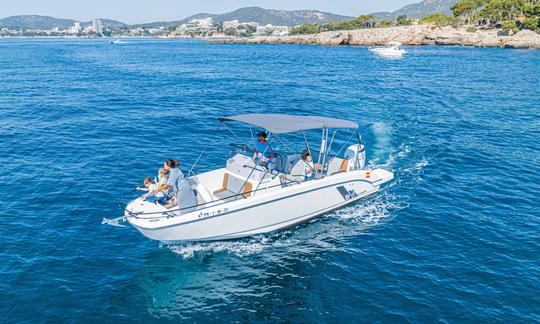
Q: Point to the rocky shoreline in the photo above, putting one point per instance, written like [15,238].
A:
[407,35]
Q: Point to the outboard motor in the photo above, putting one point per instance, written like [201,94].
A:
[356,154]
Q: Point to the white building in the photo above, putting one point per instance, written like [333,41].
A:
[97,26]
[204,25]
[280,30]
[154,31]
[252,24]
[272,30]
[138,31]
[230,24]
[75,29]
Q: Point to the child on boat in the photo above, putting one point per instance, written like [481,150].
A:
[156,191]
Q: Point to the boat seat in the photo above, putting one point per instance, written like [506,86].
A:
[233,186]
[298,172]
[337,165]
[202,193]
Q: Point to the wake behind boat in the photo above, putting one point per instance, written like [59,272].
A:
[262,190]
[389,50]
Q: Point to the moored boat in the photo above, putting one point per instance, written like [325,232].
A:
[389,50]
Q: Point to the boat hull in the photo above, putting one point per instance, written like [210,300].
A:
[265,213]
[388,53]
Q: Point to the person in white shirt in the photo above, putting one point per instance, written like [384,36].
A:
[154,191]
[306,157]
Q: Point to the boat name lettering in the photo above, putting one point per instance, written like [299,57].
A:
[212,212]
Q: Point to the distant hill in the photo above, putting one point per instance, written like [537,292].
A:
[46,22]
[257,14]
[264,16]
[419,10]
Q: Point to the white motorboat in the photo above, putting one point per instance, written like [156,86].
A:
[245,198]
[390,50]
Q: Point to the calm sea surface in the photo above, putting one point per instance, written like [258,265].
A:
[454,238]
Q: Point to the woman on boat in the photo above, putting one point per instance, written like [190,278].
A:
[183,195]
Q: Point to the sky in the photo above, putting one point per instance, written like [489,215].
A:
[139,11]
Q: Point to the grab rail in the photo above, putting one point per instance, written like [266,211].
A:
[217,203]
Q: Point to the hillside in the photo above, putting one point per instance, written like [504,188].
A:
[264,16]
[280,17]
[46,22]
[257,14]
[419,10]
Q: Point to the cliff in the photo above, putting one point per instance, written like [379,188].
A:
[407,35]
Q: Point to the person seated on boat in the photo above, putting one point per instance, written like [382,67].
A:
[163,176]
[263,151]
[162,194]
[308,161]
[182,194]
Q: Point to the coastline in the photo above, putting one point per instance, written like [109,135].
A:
[407,35]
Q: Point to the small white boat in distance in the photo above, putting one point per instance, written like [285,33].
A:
[390,50]
[246,198]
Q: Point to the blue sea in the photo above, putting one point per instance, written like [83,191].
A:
[455,237]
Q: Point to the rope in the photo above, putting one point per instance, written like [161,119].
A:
[198,158]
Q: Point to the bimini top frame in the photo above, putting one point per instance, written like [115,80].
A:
[281,123]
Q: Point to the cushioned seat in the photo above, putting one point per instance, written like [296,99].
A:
[298,171]
[337,165]
[232,187]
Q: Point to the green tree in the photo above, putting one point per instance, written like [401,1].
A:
[497,11]
[402,20]
[467,8]
[384,23]
[439,19]
[509,25]
[219,27]
[231,31]
[532,23]
[305,29]
[364,21]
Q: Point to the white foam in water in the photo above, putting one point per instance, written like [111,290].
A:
[306,238]
[383,136]
[239,248]
[404,150]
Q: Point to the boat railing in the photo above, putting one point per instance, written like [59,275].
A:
[213,203]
